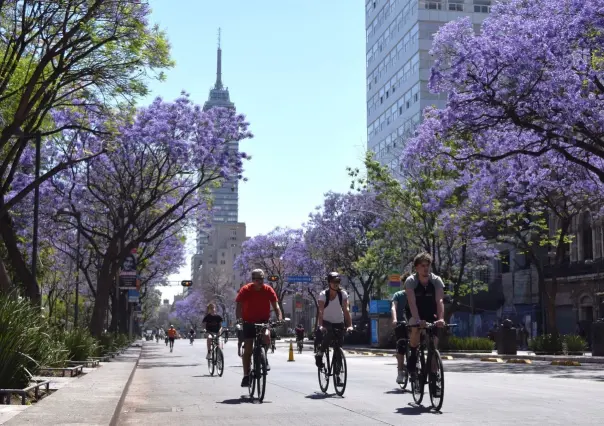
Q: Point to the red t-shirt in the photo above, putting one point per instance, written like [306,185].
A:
[256,304]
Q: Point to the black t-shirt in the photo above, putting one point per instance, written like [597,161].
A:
[213,323]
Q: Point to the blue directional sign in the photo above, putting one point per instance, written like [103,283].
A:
[299,279]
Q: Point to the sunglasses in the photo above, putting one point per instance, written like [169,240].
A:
[258,279]
[336,281]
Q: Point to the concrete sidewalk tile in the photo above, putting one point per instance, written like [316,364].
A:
[92,399]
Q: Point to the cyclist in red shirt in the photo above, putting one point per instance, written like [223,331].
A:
[254,302]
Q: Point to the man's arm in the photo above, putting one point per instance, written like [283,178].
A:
[440,306]
[277,310]
[412,304]
[346,311]
[238,311]
[393,310]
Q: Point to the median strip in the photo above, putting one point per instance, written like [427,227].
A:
[519,361]
[491,359]
[566,363]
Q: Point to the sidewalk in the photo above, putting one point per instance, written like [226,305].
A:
[586,359]
[94,399]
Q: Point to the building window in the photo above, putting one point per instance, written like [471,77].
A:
[456,5]
[482,6]
[222,262]
[586,237]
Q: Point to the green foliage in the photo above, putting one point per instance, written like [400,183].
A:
[550,343]
[26,343]
[469,344]
[80,344]
[575,343]
[106,344]
[122,340]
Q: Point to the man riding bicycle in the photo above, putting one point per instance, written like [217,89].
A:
[399,304]
[213,325]
[425,292]
[333,311]
[299,333]
[254,302]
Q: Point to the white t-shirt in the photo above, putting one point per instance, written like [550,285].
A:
[333,313]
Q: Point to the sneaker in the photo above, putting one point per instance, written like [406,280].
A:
[319,359]
[245,382]
[208,356]
[402,376]
[268,366]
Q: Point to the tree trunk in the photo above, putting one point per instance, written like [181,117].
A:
[30,285]
[365,305]
[101,302]
[6,285]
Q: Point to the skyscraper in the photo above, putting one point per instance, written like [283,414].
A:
[218,245]
[399,36]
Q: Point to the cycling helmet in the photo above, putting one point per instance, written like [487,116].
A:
[333,276]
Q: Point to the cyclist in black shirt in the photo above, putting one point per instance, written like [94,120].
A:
[425,293]
[213,325]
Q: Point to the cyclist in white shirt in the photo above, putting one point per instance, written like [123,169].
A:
[333,311]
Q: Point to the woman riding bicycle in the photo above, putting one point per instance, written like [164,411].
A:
[213,325]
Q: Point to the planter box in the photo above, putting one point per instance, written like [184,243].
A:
[549,353]
[461,351]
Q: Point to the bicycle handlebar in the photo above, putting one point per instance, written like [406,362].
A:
[430,325]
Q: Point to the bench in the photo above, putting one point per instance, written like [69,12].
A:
[73,371]
[90,363]
[5,394]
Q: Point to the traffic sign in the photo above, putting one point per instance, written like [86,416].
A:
[299,279]
[273,278]
[186,283]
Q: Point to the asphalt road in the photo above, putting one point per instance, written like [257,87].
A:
[176,389]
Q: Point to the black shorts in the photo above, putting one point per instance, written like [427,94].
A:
[249,330]
[428,315]
[400,332]
[171,339]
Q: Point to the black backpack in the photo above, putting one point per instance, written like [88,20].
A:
[327,298]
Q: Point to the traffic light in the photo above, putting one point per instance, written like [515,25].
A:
[186,283]
[273,278]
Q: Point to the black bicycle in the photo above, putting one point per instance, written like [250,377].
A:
[404,341]
[336,366]
[429,366]
[300,345]
[216,361]
[258,371]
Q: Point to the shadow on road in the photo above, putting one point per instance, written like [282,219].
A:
[318,395]
[242,400]
[205,375]
[165,365]
[416,410]
[397,391]
[590,372]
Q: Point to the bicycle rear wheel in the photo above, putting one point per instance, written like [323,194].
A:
[212,362]
[417,385]
[299,347]
[340,373]
[261,376]
[323,372]
[436,384]
[403,385]
[219,362]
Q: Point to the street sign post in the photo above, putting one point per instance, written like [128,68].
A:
[133,296]
[299,279]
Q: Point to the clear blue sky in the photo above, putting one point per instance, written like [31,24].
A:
[296,69]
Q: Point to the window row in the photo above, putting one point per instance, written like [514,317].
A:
[480,6]
[390,88]
[404,103]
[370,5]
[397,138]
[389,35]
[407,44]
[410,6]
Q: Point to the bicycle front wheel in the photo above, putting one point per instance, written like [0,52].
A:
[212,362]
[436,384]
[417,385]
[340,373]
[219,362]
[261,376]
[323,372]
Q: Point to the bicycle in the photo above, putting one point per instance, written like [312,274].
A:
[436,385]
[258,367]
[336,366]
[404,341]
[216,361]
[300,346]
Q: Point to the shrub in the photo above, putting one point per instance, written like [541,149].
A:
[121,341]
[575,343]
[547,343]
[80,344]
[469,344]
[106,344]
[26,343]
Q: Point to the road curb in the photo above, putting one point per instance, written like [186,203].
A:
[120,404]
[491,359]
[566,363]
[519,361]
